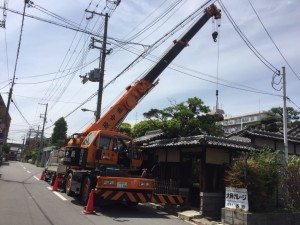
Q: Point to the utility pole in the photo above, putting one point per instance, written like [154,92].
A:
[22,148]
[285,138]
[103,54]
[42,133]
[2,22]
[102,66]
[15,69]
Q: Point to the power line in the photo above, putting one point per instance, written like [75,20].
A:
[292,102]
[247,42]
[273,40]
[15,104]
[57,78]
[60,71]
[52,22]
[49,100]
[16,63]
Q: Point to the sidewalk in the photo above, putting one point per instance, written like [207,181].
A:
[185,214]
[195,217]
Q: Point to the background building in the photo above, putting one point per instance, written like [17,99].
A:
[237,123]
[4,123]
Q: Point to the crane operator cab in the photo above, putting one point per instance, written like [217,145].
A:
[104,149]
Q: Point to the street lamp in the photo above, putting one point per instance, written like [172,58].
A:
[88,110]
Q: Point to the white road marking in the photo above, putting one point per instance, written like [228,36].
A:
[20,164]
[57,194]
[60,196]
[24,168]
[36,178]
[28,171]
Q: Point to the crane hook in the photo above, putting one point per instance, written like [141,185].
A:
[215,35]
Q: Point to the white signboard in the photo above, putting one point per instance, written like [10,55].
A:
[236,198]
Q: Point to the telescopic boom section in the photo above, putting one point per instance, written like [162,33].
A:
[116,114]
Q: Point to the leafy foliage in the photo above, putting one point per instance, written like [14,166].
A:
[125,128]
[5,150]
[184,119]
[59,135]
[33,154]
[260,175]
[290,183]
[273,122]
[142,127]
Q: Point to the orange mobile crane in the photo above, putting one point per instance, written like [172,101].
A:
[108,161]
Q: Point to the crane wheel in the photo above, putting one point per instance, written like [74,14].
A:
[52,180]
[85,190]
[69,191]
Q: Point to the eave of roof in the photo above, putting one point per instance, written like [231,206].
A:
[270,135]
[201,140]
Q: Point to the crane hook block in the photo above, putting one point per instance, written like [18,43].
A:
[215,35]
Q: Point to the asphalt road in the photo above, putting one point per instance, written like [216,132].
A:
[26,200]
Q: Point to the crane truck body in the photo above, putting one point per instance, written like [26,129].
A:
[103,159]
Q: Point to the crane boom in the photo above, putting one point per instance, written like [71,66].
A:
[134,93]
[107,160]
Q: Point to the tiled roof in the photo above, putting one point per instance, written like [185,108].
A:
[270,135]
[151,135]
[201,140]
[295,132]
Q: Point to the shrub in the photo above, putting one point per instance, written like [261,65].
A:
[290,184]
[260,175]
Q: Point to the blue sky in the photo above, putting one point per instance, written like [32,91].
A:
[47,49]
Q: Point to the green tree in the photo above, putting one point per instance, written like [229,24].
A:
[5,151]
[184,119]
[59,135]
[290,183]
[125,128]
[142,127]
[273,121]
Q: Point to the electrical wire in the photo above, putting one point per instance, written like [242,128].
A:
[52,22]
[247,42]
[51,73]
[82,60]
[273,40]
[292,102]
[5,86]
[7,67]
[50,100]
[15,104]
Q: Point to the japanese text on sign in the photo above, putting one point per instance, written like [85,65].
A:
[236,198]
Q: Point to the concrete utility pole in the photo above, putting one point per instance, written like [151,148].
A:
[285,138]
[22,148]
[42,133]
[15,69]
[103,54]
[102,66]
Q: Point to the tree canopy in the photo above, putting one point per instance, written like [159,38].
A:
[274,120]
[59,135]
[125,128]
[184,119]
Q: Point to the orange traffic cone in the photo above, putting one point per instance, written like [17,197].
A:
[55,186]
[89,209]
[43,175]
